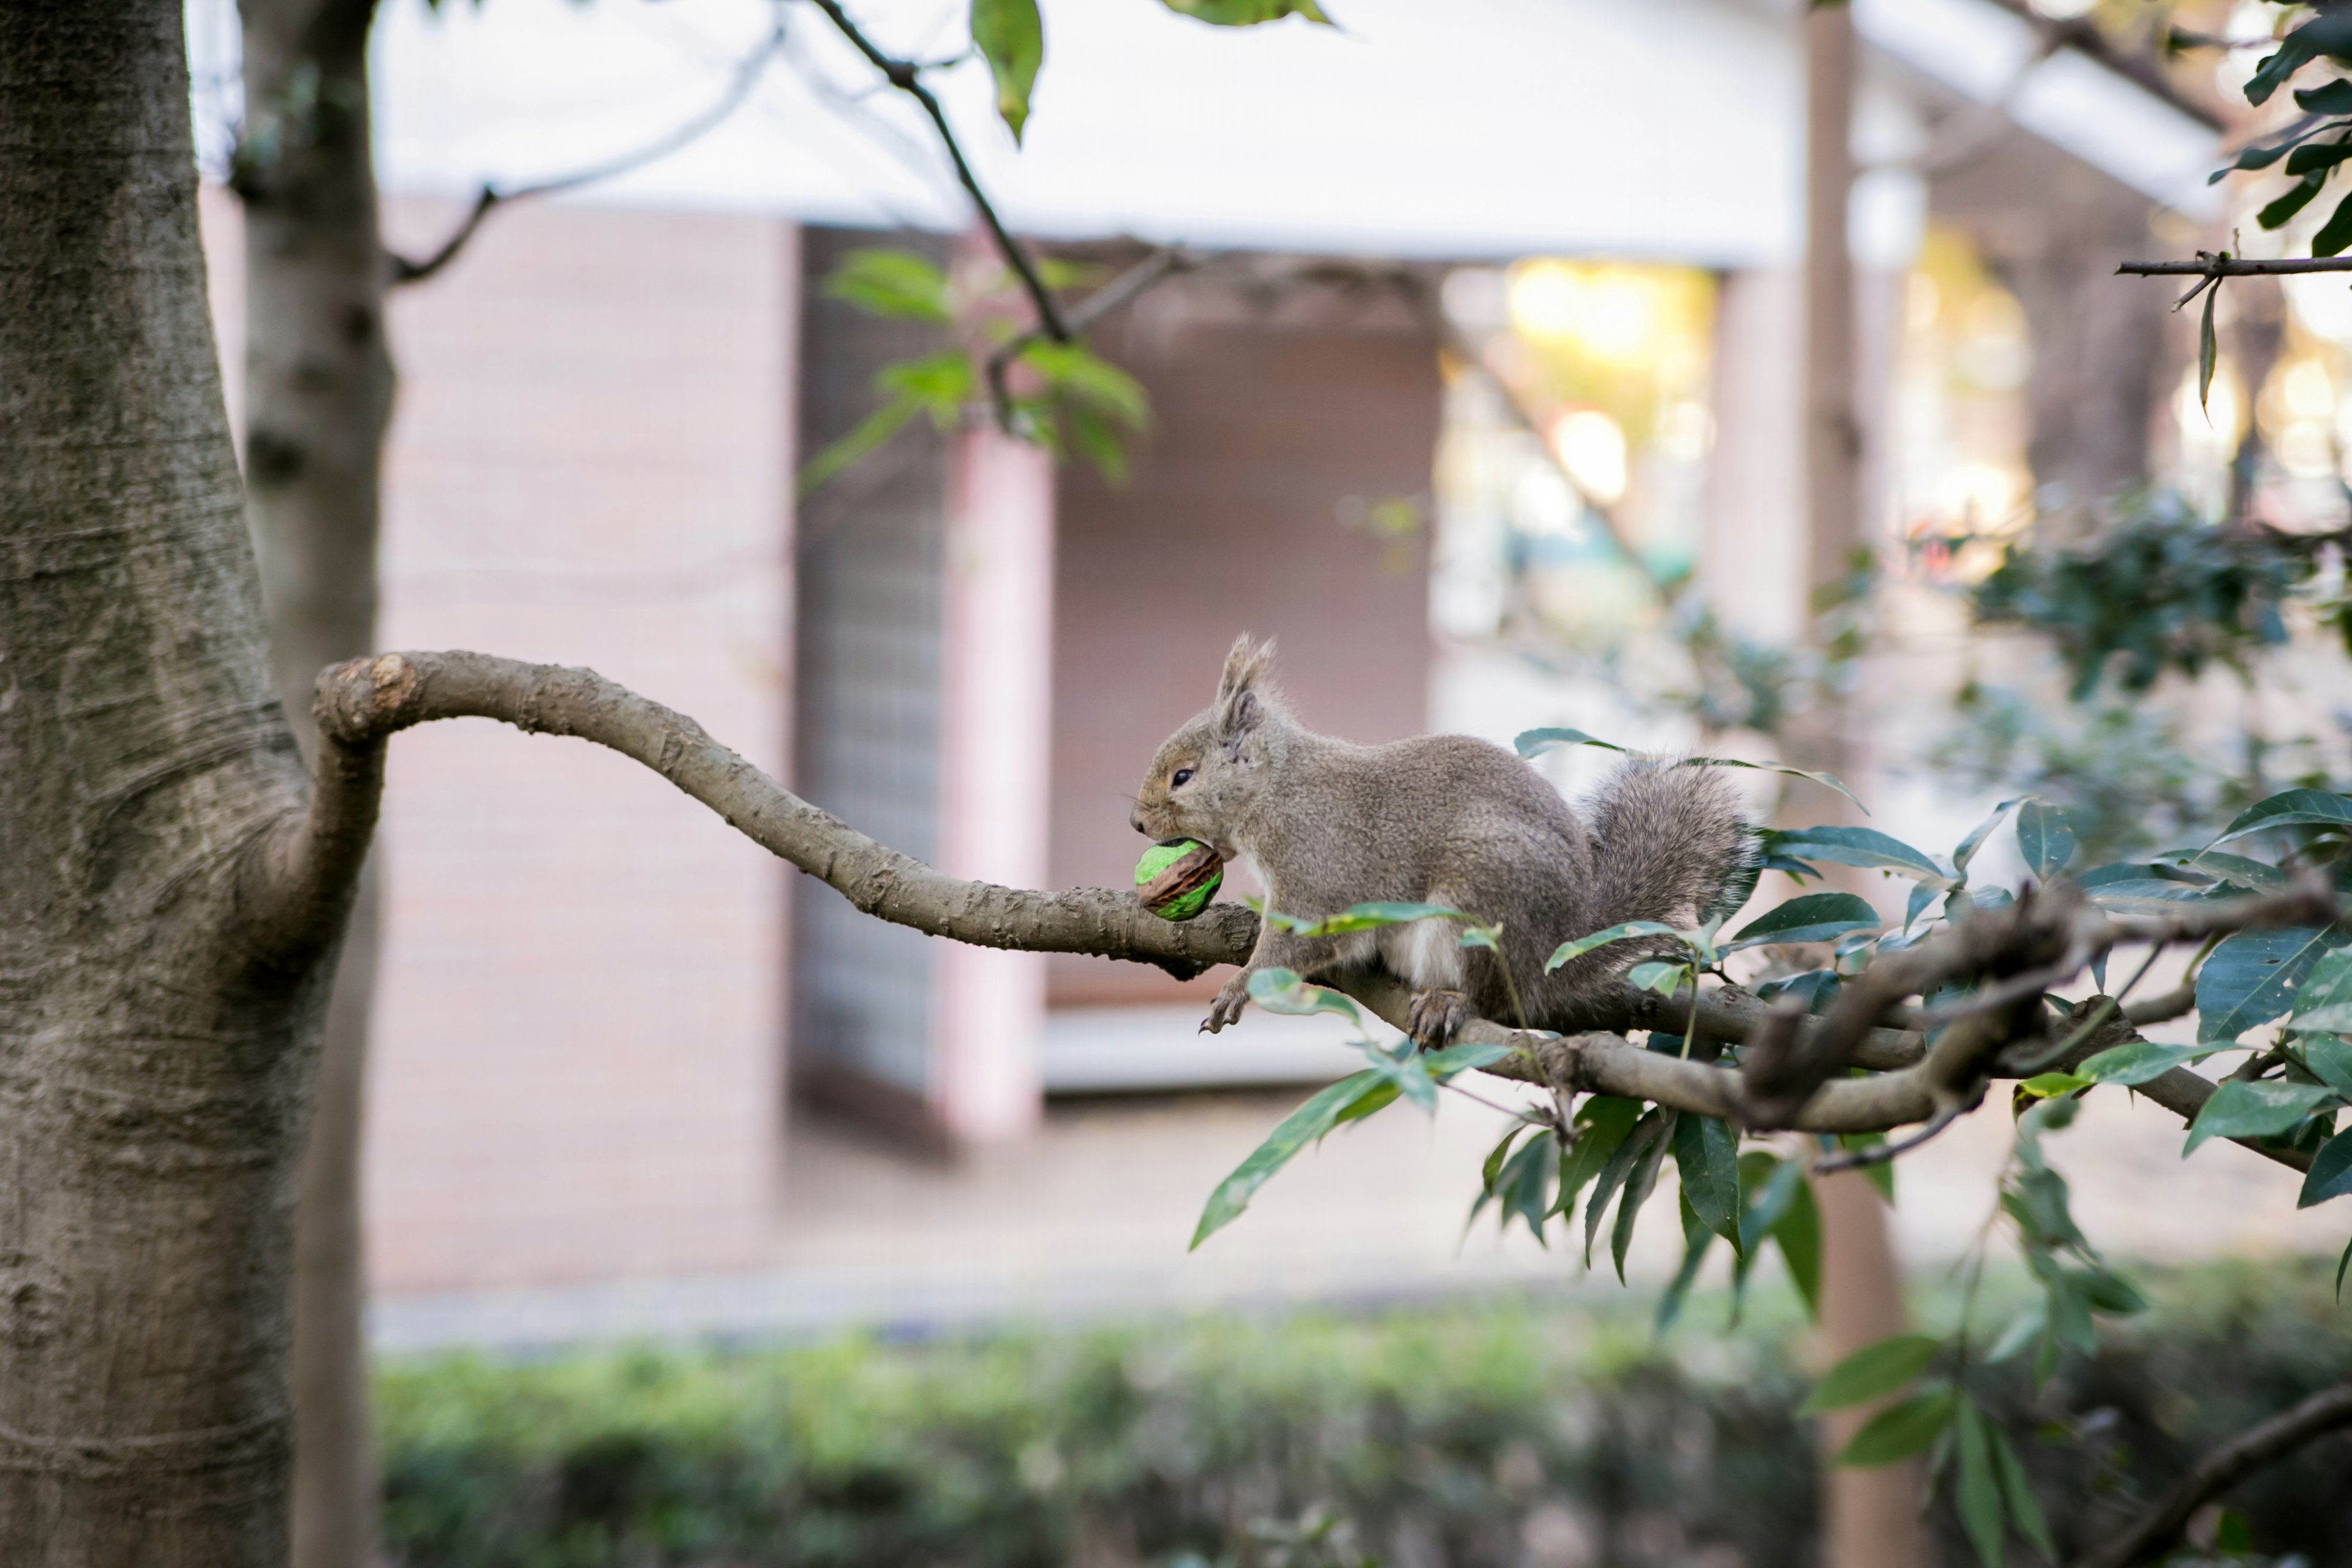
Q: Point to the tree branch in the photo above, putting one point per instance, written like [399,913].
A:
[311,863]
[907,77]
[2249,1451]
[362,702]
[2214,266]
[747,77]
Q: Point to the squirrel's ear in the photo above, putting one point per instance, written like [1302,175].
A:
[1247,668]
[1243,691]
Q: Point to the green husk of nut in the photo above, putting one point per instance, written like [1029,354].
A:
[1177,877]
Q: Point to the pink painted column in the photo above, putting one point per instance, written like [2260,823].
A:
[995,745]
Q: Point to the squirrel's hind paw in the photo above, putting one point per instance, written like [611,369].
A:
[1228,1007]
[1435,1015]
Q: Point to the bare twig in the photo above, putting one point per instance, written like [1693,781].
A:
[2251,1450]
[1161,264]
[746,77]
[1885,1154]
[2216,267]
[907,77]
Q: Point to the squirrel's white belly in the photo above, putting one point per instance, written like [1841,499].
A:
[1426,953]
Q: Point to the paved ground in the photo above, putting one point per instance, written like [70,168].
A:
[1092,1217]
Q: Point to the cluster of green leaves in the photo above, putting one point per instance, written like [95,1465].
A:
[2158,589]
[2319,142]
[1011,37]
[1063,397]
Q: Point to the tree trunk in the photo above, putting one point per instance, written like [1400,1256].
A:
[158,1014]
[1870,1517]
[319,385]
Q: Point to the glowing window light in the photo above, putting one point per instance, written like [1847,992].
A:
[1592,450]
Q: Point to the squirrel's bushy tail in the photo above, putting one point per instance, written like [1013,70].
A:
[1668,841]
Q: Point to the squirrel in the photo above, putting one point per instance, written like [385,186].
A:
[1440,819]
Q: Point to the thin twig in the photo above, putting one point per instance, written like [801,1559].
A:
[1884,1153]
[747,77]
[2215,267]
[907,77]
[2251,1450]
[1163,263]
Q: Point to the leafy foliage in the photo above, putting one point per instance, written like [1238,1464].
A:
[2158,589]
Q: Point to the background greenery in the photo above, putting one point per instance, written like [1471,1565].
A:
[1537,1432]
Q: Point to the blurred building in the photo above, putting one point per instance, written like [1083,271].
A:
[594,994]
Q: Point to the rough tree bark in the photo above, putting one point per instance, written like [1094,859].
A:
[166,931]
[318,388]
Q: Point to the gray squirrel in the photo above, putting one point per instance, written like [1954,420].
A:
[1442,819]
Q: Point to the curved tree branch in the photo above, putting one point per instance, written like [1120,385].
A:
[2241,1456]
[311,861]
[747,77]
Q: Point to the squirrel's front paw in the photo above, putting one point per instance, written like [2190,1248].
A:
[1435,1015]
[1228,1007]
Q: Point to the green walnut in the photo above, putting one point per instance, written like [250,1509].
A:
[1177,877]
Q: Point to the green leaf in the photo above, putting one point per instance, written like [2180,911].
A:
[1281,991]
[1827,780]
[2254,976]
[1406,1070]
[1816,917]
[2254,876]
[1659,976]
[2243,1107]
[1600,938]
[2044,838]
[2290,808]
[2146,895]
[2313,159]
[2341,1264]
[2049,1085]
[1456,1060]
[1706,1162]
[2329,1060]
[1523,1186]
[1696,1239]
[1495,1158]
[1900,1430]
[1379,1097]
[1300,1128]
[2331,1172]
[1601,1123]
[2135,1062]
[2327,98]
[1532,741]
[1639,1185]
[1247,13]
[2337,232]
[861,440]
[1873,1372]
[1650,1131]
[1967,850]
[2273,215]
[2205,349]
[1074,371]
[896,283]
[1797,1235]
[1362,917]
[2231,1534]
[2324,1001]
[1864,846]
[1977,1497]
[1012,40]
[2016,1489]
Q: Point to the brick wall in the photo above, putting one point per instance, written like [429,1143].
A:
[579,1024]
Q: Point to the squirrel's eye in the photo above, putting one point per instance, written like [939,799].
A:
[1181,777]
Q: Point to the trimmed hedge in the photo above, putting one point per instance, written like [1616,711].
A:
[1528,1432]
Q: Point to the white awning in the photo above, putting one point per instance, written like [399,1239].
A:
[1466,128]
